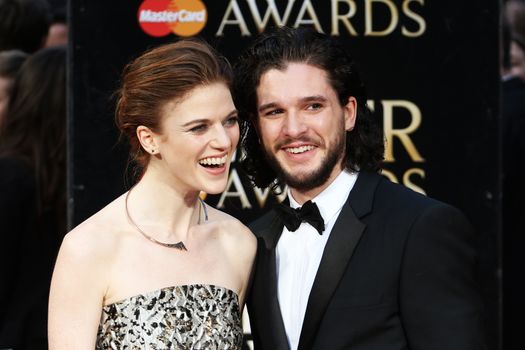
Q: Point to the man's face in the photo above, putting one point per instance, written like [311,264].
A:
[303,126]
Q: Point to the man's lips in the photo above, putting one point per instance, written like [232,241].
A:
[298,149]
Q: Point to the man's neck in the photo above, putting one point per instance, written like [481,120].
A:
[302,196]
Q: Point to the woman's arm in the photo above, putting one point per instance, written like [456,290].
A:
[243,248]
[77,292]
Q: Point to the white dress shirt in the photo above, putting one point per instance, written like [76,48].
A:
[299,253]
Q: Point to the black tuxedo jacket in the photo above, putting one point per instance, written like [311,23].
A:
[397,273]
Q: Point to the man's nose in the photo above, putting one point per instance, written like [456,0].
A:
[294,124]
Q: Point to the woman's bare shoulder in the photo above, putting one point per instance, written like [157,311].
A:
[83,269]
[233,232]
[99,234]
[229,223]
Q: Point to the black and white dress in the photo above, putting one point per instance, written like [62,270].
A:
[196,316]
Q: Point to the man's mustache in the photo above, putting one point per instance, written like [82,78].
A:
[289,140]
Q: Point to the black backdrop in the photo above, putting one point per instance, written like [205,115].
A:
[431,68]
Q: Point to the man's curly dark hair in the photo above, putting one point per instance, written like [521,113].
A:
[274,50]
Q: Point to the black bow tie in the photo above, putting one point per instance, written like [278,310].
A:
[309,213]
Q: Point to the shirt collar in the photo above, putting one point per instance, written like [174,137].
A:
[332,198]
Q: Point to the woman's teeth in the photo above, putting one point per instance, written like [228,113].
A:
[213,161]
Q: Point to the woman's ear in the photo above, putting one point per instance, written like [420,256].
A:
[147,139]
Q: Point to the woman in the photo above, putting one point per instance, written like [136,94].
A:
[32,196]
[158,268]
[10,63]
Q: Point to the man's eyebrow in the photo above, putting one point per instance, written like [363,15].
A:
[314,98]
[267,106]
[319,98]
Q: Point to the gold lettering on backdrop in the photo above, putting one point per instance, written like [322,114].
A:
[262,195]
[401,134]
[272,11]
[390,175]
[407,181]
[394,18]
[307,7]
[234,16]
[390,133]
[407,178]
[336,17]
[233,7]
[238,192]
[414,16]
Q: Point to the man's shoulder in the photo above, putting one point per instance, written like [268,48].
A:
[262,223]
[392,200]
[402,197]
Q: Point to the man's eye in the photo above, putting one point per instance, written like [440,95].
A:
[274,112]
[315,106]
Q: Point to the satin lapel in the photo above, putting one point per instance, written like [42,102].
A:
[269,269]
[343,240]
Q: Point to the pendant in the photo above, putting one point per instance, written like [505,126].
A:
[178,245]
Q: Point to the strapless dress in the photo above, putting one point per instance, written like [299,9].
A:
[195,316]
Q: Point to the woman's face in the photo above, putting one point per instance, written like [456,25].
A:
[198,137]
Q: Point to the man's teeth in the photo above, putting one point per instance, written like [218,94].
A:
[213,161]
[299,149]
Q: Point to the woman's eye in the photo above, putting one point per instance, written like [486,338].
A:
[199,128]
[231,121]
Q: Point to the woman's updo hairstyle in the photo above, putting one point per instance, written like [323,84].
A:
[159,76]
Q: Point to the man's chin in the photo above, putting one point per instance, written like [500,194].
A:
[304,180]
[302,177]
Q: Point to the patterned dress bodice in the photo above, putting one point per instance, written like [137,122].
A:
[196,316]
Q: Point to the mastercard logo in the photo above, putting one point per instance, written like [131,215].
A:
[182,17]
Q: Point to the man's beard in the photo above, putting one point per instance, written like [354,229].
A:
[318,176]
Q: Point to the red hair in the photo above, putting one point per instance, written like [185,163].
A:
[157,77]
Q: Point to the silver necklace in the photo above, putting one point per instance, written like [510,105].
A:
[179,245]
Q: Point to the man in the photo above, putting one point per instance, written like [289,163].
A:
[383,267]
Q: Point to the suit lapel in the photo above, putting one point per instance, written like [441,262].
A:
[270,237]
[343,240]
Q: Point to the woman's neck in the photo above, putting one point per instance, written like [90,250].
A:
[162,210]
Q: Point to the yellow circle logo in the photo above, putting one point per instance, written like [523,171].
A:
[191,19]
[182,17]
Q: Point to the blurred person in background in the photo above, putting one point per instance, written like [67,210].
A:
[10,62]
[58,30]
[33,197]
[24,24]
[514,23]
[513,143]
